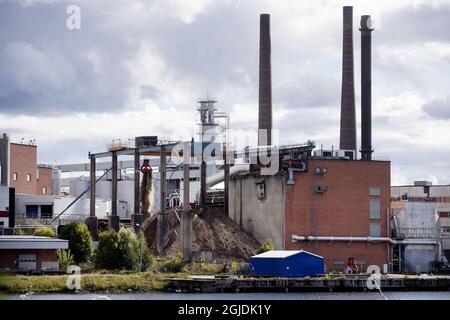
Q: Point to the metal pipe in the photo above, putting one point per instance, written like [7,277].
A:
[219,177]
[366,88]
[291,173]
[296,238]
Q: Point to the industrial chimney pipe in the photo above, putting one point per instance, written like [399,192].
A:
[265,83]
[348,117]
[366,88]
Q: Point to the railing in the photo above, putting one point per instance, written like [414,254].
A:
[380,158]
[419,233]
[444,233]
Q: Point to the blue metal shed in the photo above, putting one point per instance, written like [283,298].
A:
[286,263]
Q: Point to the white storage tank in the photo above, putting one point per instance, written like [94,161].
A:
[103,189]
[125,192]
[56,181]
[77,187]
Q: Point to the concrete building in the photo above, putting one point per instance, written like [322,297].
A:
[30,253]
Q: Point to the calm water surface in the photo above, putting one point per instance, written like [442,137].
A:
[243,296]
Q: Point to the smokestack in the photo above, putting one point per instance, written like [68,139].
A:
[366,88]
[265,83]
[348,118]
[4,160]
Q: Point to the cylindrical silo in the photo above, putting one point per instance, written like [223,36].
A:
[77,187]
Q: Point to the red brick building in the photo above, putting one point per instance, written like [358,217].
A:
[44,180]
[319,204]
[26,176]
[340,198]
[23,168]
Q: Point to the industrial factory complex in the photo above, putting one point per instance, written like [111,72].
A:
[333,206]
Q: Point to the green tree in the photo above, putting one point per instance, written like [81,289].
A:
[266,246]
[80,241]
[122,250]
[45,232]
[65,259]
[106,255]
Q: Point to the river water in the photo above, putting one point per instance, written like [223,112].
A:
[434,295]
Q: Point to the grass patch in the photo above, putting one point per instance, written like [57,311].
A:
[114,281]
[138,282]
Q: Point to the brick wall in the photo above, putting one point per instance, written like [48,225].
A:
[341,211]
[44,181]
[10,258]
[23,161]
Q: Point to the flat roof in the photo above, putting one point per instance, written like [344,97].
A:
[282,254]
[32,242]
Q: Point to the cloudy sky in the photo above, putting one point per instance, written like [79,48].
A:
[138,68]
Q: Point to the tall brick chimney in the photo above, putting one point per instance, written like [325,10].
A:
[348,117]
[265,83]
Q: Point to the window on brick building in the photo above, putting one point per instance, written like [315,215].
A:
[374,191]
[375,230]
[374,208]
[28,177]
[15,175]
[44,190]
[444,214]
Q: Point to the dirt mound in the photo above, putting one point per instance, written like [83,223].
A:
[212,231]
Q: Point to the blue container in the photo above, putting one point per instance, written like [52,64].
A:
[287,264]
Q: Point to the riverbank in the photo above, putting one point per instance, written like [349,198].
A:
[117,283]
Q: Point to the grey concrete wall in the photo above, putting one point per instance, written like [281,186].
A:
[264,218]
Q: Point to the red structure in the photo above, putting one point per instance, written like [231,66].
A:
[146,168]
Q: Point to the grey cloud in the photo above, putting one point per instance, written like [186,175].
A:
[50,69]
[309,90]
[438,108]
[416,24]
[150,92]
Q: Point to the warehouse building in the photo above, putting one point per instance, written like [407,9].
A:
[30,253]
[286,263]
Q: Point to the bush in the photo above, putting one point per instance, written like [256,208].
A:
[20,232]
[122,250]
[266,246]
[45,232]
[106,255]
[80,241]
[65,259]
[174,264]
